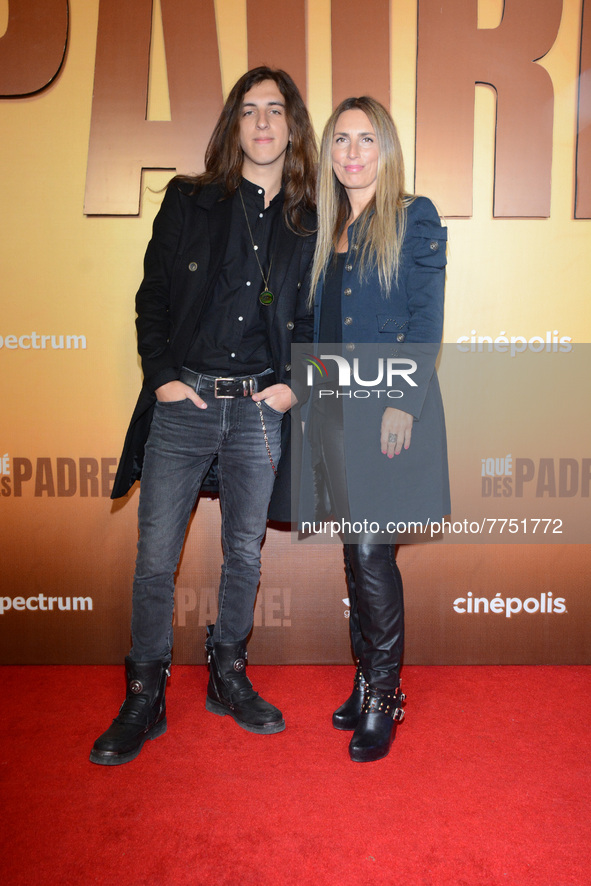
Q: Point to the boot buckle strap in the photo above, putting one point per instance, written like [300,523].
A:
[375,702]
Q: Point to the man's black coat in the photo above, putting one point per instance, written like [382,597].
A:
[182,264]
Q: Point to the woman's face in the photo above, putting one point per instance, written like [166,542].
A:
[355,154]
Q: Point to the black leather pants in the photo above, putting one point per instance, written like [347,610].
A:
[376,619]
[373,579]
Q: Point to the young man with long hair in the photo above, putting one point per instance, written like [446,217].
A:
[222,299]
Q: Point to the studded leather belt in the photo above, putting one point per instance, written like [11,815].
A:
[227,388]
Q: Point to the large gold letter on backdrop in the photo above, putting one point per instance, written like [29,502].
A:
[122,141]
[277,37]
[33,48]
[361,49]
[583,193]
[454,55]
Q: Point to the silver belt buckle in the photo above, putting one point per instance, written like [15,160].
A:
[222,396]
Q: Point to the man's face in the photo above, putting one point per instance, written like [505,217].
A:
[264,133]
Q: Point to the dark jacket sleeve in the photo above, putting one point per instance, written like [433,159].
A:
[425,283]
[152,301]
[424,269]
[303,319]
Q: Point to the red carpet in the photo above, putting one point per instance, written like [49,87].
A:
[488,782]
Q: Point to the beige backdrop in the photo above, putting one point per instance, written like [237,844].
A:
[67,340]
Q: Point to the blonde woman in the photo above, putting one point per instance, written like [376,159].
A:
[377,279]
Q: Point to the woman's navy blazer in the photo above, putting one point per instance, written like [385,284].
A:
[407,323]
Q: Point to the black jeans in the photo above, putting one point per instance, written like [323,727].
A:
[182,444]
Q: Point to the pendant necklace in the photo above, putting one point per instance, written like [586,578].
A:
[266,297]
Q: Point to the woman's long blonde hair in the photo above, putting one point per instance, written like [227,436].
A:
[381,226]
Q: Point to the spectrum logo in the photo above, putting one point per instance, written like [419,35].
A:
[37,342]
[42,603]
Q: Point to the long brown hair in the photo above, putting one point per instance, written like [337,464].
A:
[381,226]
[224,156]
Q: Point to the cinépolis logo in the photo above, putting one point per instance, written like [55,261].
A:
[546,604]
[506,477]
[62,477]
[387,371]
[550,342]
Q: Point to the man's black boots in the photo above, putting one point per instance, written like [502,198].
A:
[229,690]
[142,714]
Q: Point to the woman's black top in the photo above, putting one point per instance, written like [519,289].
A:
[330,311]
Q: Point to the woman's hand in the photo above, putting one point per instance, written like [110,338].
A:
[174,391]
[278,397]
[396,431]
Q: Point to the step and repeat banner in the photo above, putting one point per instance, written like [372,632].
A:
[100,103]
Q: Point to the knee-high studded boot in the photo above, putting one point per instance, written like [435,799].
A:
[229,690]
[141,716]
[346,716]
[381,617]
[381,713]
